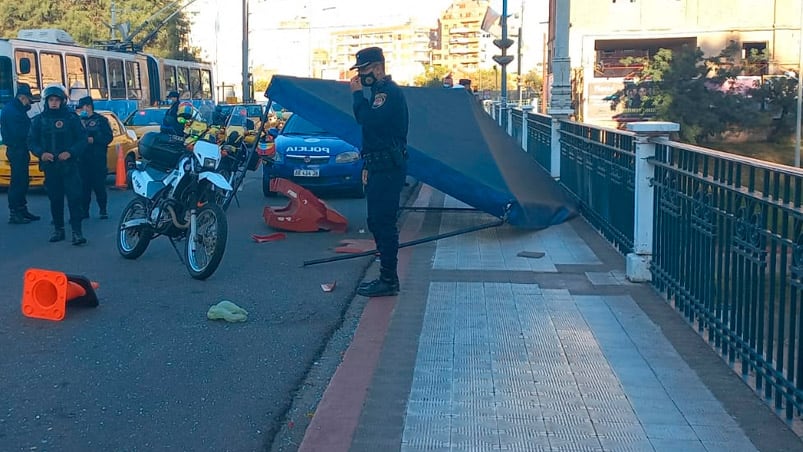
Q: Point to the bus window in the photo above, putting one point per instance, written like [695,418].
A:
[98,88]
[183,82]
[76,77]
[116,79]
[51,64]
[32,77]
[169,78]
[6,77]
[133,79]
[195,83]
[206,83]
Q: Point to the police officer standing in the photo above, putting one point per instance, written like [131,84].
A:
[58,138]
[170,123]
[384,122]
[15,123]
[93,161]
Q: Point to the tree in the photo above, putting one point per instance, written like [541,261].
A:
[692,90]
[86,21]
[431,77]
[778,96]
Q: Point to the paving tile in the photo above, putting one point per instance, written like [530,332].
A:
[680,432]
[671,445]
[729,446]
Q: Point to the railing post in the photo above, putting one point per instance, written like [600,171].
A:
[525,110]
[554,164]
[637,268]
[509,114]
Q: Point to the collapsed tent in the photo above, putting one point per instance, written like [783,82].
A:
[453,145]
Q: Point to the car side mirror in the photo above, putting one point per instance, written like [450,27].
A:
[273,132]
[131,134]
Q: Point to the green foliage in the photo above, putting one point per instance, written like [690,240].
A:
[85,21]
[687,89]
[431,77]
[779,102]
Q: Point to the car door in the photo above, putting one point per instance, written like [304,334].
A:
[120,136]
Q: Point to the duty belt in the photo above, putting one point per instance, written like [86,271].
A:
[386,159]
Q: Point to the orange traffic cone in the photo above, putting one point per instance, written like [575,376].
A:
[45,293]
[121,173]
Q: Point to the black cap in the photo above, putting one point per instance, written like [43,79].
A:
[84,101]
[172,94]
[367,56]
[24,90]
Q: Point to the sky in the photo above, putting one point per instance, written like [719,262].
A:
[287,51]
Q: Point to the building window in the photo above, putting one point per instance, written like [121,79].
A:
[755,58]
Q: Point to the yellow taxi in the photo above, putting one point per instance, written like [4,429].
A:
[145,120]
[123,137]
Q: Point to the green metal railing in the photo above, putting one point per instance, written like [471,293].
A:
[539,139]
[516,128]
[728,252]
[597,166]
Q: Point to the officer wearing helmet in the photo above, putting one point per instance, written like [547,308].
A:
[384,121]
[58,139]
[170,123]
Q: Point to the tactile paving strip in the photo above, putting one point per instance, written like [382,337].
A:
[563,373]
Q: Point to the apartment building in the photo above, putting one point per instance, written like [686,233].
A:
[605,32]
[406,48]
[460,44]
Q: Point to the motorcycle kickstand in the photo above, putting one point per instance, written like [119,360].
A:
[178,253]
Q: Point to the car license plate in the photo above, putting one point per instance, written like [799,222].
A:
[306,173]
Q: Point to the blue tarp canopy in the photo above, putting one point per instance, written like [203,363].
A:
[453,146]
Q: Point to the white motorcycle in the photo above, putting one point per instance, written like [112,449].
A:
[176,191]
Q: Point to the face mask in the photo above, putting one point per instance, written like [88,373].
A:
[368,79]
[84,113]
[445,85]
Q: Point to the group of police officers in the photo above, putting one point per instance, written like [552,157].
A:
[72,154]
[71,147]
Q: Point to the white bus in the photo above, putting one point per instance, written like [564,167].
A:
[118,81]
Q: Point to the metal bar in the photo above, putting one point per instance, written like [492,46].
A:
[406,244]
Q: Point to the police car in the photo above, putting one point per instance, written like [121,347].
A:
[313,158]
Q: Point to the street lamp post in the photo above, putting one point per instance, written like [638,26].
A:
[245,82]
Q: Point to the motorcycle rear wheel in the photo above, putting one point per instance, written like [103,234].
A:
[132,242]
[210,241]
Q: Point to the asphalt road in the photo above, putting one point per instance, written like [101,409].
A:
[146,370]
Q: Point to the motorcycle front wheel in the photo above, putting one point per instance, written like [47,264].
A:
[209,242]
[132,242]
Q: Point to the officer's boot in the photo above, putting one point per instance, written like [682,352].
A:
[77,236]
[28,215]
[18,217]
[385,286]
[57,235]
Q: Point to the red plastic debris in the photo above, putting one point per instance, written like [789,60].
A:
[269,238]
[304,213]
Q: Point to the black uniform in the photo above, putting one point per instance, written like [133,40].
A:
[15,124]
[94,161]
[384,122]
[56,131]
[170,123]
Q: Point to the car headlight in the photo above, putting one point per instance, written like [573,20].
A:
[347,157]
[210,163]
[278,157]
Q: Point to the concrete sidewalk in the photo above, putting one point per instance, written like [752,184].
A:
[485,350]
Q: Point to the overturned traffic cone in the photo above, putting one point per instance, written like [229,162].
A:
[304,213]
[45,293]
[121,172]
